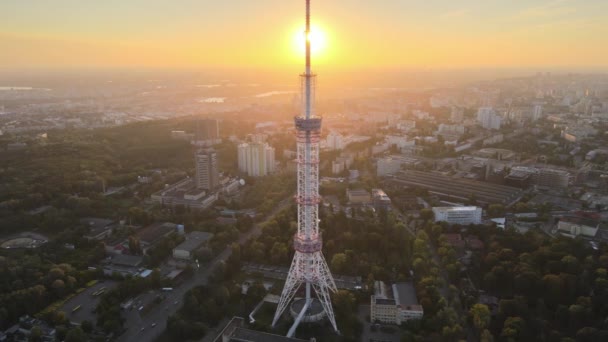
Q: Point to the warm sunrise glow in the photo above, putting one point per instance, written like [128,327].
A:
[355,33]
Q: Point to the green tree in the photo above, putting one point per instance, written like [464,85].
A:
[486,336]
[513,329]
[426,214]
[480,314]
[76,335]
[338,262]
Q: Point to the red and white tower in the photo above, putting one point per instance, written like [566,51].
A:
[308,267]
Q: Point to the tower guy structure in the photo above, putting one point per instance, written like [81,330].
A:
[308,267]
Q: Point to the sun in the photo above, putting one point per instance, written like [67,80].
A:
[318,41]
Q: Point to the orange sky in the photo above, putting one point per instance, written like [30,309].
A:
[365,34]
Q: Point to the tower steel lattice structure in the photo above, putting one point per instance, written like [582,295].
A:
[308,267]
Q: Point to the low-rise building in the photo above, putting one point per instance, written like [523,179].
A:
[99,228]
[193,242]
[153,233]
[358,196]
[380,199]
[573,226]
[552,178]
[235,331]
[458,215]
[395,304]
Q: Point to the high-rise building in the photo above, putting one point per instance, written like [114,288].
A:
[208,129]
[457,115]
[334,141]
[537,112]
[488,118]
[256,159]
[205,162]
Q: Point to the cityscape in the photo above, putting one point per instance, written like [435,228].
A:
[206,194]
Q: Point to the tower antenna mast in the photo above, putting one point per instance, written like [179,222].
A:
[308,267]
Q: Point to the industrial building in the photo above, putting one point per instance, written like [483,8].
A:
[458,215]
[153,233]
[573,226]
[99,228]
[393,164]
[552,178]
[358,196]
[193,242]
[235,331]
[395,304]
[523,177]
[185,193]
[457,189]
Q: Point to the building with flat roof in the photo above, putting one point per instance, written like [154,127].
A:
[573,226]
[193,242]
[457,189]
[205,162]
[153,233]
[395,304]
[380,199]
[235,331]
[552,178]
[358,196]
[185,193]
[458,215]
[394,163]
[99,228]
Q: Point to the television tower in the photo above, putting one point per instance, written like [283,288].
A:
[308,267]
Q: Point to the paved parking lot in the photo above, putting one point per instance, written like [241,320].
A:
[86,303]
[378,336]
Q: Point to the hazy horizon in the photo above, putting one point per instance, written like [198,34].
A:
[562,34]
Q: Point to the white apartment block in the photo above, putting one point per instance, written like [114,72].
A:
[335,141]
[488,118]
[458,215]
[256,159]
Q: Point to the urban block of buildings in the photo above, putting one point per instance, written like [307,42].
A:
[202,191]
[395,304]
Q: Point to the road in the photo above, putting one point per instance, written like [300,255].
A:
[173,301]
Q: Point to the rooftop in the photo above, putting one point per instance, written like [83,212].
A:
[154,232]
[405,294]
[456,208]
[458,188]
[97,225]
[127,260]
[235,332]
[194,240]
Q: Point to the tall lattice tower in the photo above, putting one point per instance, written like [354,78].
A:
[308,266]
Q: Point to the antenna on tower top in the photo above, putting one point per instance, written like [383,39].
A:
[308,267]
[307,37]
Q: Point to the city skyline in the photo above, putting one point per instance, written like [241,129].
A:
[395,34]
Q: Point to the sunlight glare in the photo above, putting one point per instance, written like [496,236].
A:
[318,41]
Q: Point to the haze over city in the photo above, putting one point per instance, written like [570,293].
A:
[303,170]
[442,34]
